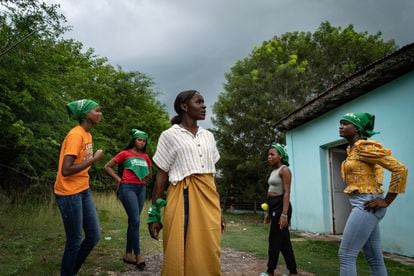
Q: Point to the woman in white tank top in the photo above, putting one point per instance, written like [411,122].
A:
[280,210]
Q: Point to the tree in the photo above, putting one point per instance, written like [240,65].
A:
[275,79]
[22,19]
[39,73]
[28,31]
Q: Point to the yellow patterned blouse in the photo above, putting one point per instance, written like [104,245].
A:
[362,170]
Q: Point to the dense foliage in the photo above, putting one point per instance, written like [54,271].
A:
[275,79]
[39,73]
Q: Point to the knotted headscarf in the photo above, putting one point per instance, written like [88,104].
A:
[282,150]
[364,122]
[136,133]
[154,212]
[138,165]
[79,109]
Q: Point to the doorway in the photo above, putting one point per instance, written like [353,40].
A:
[340,204]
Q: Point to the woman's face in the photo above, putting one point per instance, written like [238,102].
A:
[140,143]
[273,157]
[347,130]
[195,107]
[95,115]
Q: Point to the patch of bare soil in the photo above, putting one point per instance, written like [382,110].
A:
[233,263]
[236,263]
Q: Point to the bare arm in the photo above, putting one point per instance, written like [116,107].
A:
[286,176]
[159,185]
[108,169]
[70,168]
[148,178]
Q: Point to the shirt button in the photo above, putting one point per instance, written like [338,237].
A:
[201,155]
[198,145]
[202,166]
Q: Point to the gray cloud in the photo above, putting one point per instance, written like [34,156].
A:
[189,44]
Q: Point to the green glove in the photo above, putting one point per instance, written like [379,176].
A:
[154,212]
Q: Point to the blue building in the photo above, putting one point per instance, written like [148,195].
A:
[385,88]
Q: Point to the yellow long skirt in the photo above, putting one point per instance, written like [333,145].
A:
[200,253]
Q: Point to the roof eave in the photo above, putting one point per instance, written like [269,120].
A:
[374,75]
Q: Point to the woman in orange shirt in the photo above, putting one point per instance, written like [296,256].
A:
[73,196]
[362,173]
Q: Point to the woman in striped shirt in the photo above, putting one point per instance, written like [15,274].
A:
[186,155]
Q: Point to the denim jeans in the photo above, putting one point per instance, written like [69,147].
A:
[362,233]
[78,213]
[132,197]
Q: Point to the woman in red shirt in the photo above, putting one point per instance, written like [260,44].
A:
[134,170]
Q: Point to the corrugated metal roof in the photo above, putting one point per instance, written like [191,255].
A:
[363,81]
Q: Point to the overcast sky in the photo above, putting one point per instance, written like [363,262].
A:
[191,44]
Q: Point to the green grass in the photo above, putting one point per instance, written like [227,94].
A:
[248,233]
[32,241]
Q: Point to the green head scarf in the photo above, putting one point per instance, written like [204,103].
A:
[79,109]
[364,122]
[282,150]
[135,133]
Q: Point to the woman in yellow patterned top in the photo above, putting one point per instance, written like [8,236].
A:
[362,172]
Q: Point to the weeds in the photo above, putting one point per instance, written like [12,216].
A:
[32,239]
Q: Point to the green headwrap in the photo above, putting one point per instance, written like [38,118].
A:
[79,109]
[282,150]
[154,212]
[363,121]
[135,133]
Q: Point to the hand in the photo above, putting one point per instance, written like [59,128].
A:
[266,219]
[99,154]
[283,222]
[147,179]
[117,184]
[375,204]
[154,229]
[223,224]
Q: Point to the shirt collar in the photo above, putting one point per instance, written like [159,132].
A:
[199,131]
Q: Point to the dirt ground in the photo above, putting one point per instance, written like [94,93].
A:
[233,263]
[236,263]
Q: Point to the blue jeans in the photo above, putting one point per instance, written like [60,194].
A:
[78,213]
[132,197]
[362,233]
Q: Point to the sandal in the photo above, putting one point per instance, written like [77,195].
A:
[129,261]
[141,266]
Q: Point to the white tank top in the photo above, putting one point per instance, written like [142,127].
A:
[275,181]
